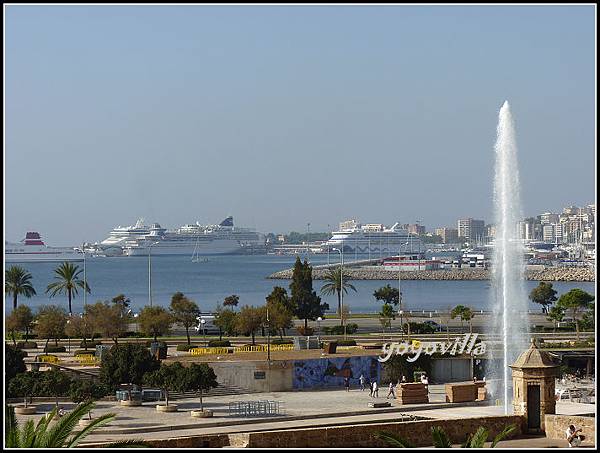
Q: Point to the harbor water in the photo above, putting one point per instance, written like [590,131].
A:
[208,282]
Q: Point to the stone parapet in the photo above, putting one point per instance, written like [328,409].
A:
[556,425]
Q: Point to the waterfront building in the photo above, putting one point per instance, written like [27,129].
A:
[448,235]
[471,229]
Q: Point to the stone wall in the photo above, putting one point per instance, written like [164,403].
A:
[418,433]
[256,376]
[556,425]
[566,274]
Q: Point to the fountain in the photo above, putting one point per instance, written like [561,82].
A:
[510,302]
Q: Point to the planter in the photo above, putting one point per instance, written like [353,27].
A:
[22,410]
[202,414]
[131,403]
[169,408]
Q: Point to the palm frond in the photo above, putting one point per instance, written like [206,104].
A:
[11,428]
[27,435]
[393,440]
[479,438]
[440,438]
[508,429]
[59,433]
[97,423]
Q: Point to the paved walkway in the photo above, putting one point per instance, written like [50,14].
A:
[303,409]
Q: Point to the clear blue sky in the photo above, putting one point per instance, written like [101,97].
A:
[282,116]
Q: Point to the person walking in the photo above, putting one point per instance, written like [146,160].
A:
[375,390]
[391,391]
[347,383]
[361,380]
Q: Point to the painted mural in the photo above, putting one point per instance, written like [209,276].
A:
[330,372]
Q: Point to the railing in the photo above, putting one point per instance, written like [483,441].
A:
[86,359]
[48,358]
[264,348]
[205,351]
[256,408]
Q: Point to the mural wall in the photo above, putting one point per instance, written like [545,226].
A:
[330,372]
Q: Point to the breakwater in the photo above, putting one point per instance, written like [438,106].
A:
[556,274]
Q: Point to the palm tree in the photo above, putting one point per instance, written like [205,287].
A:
[441,440]
[18,281]
[337,281]
[60,435]
[67,275]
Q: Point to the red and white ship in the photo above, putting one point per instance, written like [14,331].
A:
[32,249]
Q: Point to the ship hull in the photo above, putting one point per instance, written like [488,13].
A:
[221,247]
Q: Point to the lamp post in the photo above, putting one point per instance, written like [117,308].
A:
[401,312]
[268,338]
[150,272]
[84,277]
[68,336]
[202,322]
[319,319]
[341,252]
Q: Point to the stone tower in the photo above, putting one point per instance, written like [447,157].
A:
[534,375]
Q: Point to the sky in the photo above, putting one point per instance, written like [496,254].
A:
[289,115]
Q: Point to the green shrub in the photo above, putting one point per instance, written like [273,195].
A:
[339,330]
[80,391]
[90,343]
[27,345]
[277,341]
[346,342]
[219,343]
[14,363]
[83,351]
[54,349]
[186,347]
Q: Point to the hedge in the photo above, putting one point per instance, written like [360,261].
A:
[346,342]
[280,341]
[186,347]
[90,344]
[27,345]
[53,349]
[219,343]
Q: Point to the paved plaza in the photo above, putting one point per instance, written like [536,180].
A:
[302,409]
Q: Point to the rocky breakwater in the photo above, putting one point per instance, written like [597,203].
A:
[379,273]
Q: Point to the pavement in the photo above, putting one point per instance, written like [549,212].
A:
[303,409]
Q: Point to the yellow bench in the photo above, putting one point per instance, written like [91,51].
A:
[202,351]
[48,358]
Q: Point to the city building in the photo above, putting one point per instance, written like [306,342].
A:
[471,229]
[448,235]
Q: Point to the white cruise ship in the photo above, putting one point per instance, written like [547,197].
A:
[373,239]
[33,249]
[194,240]
[114,243]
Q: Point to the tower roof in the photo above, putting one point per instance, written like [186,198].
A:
[534,358]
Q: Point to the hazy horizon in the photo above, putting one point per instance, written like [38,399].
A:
[284,116]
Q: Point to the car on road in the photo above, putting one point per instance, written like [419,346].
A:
[437,327]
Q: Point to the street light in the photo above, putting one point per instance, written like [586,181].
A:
[203,321]
[342,288]
[150,272]
[319,319]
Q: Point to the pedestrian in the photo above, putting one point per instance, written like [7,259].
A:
[361,379]
[347,383]
[424,379]
[391,391]
[573,438]
[403,379]
[371,388]
[375,390]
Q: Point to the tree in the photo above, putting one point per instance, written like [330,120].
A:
[126,363]
[155,321]
[185,312]
[387,314]
[306,302]
[280,310]
[250,320]
[576,302]
[167,378]
[54,383]
[122,300]
[465,314]
[83,391]
[200,378]
[231,301]
[20,319]
[22,385]
[337,281]
[62,434]
[79,326]
[17,281]
[556,314]
[389,295]
[111,320]
[67,275]
[544,295]
[226,321]
[51,323]
[14,363]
